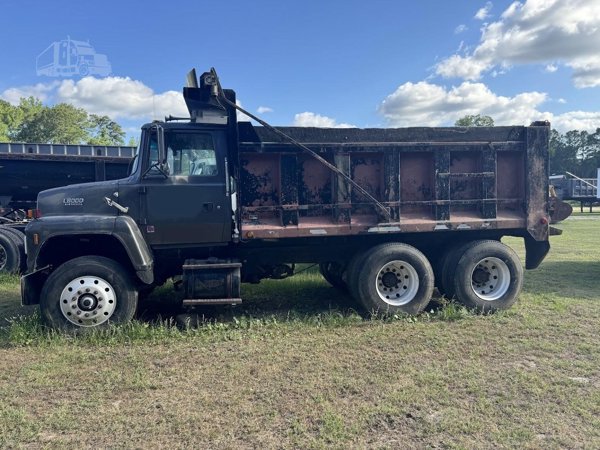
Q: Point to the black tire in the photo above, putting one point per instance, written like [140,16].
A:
[352,271]
[439,266]
[488,276]
[448,268]
[15,232]
[10,255]
[394,278]
[118,296]
[333,272]
[19,239]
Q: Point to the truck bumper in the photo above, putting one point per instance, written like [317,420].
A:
[31,286]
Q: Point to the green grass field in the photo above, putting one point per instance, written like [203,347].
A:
[295,366]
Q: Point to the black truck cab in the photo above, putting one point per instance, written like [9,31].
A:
[185,199]
[178,201]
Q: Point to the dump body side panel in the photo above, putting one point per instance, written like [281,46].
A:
[430,179]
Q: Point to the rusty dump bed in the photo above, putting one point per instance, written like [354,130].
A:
[429,179]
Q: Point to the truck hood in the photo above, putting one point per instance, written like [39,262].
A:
[78,199]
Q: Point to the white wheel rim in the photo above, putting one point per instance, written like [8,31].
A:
[88,301]
[3,257]
[490,279]
[397,283]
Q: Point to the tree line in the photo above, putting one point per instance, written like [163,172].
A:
[575,151]
[32,121]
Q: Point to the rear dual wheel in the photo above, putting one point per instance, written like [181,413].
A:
[488,276]
[392,278]
[485,275]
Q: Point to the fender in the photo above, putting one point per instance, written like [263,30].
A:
[123,228]
[127,231]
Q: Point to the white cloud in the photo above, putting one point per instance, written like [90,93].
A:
[460,29]
[576,120]
[310,119]
[562,101]
[427,104]
[119,97]
[116,97]
[241,117]
[264,110]
[484,13]
[551,68]
[40,90]
[462,67]
[537,32]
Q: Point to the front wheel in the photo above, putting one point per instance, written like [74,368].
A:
[394,278]
[88,292]
[488,276]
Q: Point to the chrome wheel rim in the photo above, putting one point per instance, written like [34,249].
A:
[88,301]
[490,279]
[3,258]
[397,283]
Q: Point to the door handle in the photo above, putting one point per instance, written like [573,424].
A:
[207,207]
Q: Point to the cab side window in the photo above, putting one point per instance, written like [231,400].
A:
[191,154]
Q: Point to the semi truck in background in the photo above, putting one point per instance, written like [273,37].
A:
[67,58]
[388,214]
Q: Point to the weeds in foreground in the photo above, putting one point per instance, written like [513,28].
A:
[30,331]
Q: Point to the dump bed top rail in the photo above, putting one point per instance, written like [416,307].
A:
[340,136]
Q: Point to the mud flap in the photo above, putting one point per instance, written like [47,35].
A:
[535,252]
[31,286]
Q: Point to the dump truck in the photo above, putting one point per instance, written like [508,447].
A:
[28,168]
[387,214]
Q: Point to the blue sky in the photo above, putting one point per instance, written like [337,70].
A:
[322,63]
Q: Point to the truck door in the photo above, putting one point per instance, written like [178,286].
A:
[190,206]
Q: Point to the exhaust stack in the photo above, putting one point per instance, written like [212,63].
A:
[203,101]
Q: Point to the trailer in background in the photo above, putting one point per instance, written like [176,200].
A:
[572,187]
[27,169]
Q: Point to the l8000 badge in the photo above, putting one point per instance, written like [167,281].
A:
[73,201]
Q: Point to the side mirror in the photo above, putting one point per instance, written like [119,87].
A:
[160,140]
[163,165]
